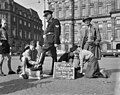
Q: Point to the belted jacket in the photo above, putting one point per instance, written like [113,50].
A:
[53,32]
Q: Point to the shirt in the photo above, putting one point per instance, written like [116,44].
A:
[31,55]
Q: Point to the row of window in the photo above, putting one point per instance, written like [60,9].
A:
[84,11]
[27,35]
[25,23]
[28,16]
[83,1]
[104,7]
[5,5]
[106,35]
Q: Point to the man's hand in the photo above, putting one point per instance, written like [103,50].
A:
[44,36]
[55,45]
[96,43]
[0,43]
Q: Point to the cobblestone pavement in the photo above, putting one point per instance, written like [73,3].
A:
[13,85]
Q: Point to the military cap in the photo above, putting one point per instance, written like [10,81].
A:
[46,12]
[87,18]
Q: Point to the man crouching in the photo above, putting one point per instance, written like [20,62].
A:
[30,59]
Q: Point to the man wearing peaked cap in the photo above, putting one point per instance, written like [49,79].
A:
[46,12]
[87,18]
[51,37]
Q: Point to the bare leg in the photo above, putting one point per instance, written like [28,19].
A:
[24,64]
[1,63]
[9,64]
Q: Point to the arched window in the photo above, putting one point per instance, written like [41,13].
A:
[118,46]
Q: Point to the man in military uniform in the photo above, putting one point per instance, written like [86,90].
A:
[51,38]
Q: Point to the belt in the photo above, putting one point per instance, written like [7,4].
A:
[49,33]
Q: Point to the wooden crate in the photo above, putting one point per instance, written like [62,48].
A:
[63,70]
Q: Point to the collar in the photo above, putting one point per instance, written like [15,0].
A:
[50,20]
[88,25]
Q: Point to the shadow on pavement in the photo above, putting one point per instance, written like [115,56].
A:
[113,70]
[18,85]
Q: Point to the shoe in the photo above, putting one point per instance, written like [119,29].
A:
[2,74]
[40,77]
[79,75]
[19,70]
[11,72]
[104,73]
[24,76]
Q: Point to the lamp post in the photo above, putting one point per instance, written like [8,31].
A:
[72,19]
[111,43]
[44,18]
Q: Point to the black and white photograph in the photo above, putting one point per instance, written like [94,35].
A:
[59,47]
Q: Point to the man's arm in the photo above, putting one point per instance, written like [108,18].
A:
[27,55]
[98,36]
[57,31]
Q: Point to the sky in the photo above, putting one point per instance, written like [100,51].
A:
[39,7]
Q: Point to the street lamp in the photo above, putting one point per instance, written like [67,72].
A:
[44,18]
[111,42]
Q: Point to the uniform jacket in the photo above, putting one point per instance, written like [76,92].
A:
[94,45]
[55,28]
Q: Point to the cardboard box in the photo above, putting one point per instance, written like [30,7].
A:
[64,70]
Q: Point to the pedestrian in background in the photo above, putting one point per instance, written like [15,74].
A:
[89,37]
[51,38]
[4,48]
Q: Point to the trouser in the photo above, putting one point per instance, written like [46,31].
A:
[52,50]
[93,68]
[32,67]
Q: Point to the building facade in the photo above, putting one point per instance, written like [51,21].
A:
[105,14]
[24,24]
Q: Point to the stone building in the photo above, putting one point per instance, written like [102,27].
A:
[24,24]
[105,14]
